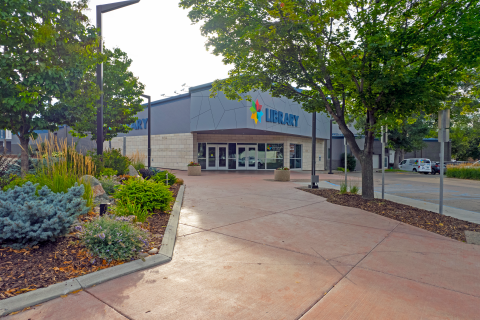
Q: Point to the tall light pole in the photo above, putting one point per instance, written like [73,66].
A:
[149,120]
[443,136]
[314,179]
[104,8]
[331,140]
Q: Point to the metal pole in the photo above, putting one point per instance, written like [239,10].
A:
[383,163]
[313,179]
[149,120]
[442,154]
[331,154]
[345,142]
[104,8]
[100,86]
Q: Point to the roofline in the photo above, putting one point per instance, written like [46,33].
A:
[161,101]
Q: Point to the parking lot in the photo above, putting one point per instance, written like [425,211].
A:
[458,193]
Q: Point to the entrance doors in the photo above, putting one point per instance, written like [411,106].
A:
[217,157]
[247,157]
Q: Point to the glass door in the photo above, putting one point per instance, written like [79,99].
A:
[212,158]
[222,158]
[252,157]
[242,158]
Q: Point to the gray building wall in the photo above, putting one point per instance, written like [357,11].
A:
[431,151]
[219,114]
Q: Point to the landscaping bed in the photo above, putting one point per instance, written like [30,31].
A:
[430,221]
[49,263]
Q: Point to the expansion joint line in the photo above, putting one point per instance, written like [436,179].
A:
[345,276]
[120,312]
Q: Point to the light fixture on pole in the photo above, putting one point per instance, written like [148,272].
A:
[149,120]
[104,8]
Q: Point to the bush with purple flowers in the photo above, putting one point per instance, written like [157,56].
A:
[111,237]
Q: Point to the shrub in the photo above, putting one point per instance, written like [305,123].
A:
[351,162]
[112,159]
[342,169]
[283,168]
[146,173]
[343,188]
[113,238]
[162,176]
[128,209]
[180,181]
[154,170]
[354,189]
[463,172]
[108,184]
[146,193]
[108,172]
[15,167]
[27,219]
[193,164]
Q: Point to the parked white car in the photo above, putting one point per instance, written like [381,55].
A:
[416,165]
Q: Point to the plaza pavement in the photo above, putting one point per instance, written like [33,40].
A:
[249,248]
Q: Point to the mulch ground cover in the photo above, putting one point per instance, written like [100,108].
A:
[428,220]
[38,267]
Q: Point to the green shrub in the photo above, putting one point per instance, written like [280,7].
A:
[343,188]
[108,172]
[351,162]
[108,184]
[147,194]
[138,166]
[463,172]
[113,238]
[112,159]
[129,209]
[161,177]
[354,189]
[154,170]
[342,169]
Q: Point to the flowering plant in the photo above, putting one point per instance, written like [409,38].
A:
[110,237]
[193,164]
[283,168]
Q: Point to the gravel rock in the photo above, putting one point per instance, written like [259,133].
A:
[143,254]
[153,251]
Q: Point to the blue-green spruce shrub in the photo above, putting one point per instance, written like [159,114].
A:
[113,238]
[27,219]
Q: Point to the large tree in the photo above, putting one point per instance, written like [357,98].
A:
[122,99]
[46,48]
[380,59]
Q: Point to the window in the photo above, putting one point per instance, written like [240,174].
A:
[261,156]
[202,155]
[232,156]
[403,162]
[295,156]
[274,155]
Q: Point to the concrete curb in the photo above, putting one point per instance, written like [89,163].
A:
[32,298]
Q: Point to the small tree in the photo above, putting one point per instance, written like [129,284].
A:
[47,46]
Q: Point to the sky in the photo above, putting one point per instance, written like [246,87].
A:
[166,49]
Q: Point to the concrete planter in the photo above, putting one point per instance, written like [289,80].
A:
[194,171]
[282,175]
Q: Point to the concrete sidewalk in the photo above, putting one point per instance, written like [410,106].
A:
[249,248]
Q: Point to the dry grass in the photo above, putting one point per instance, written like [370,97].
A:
[137,159]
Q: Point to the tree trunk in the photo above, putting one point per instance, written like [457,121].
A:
[367,176]
[396,160]
[24,155]
[402,155]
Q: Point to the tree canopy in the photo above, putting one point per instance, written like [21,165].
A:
[122,98]
[47,47]
[380,59]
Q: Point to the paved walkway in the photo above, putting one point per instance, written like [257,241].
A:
[248,248]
